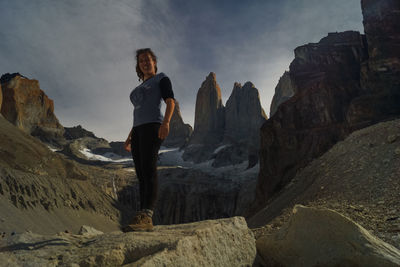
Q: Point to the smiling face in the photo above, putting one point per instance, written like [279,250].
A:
[147,65]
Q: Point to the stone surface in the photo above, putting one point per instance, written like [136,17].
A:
[323,237]
[180,132]
[326,76]
[225,242]
[28,107]
[89,231]
[283,91]
[358,177]
[209,113]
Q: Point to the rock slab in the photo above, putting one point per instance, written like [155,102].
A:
[225,242]
[323,237]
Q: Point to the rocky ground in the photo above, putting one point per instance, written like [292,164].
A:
[359,177]
[45,192]
[224,242]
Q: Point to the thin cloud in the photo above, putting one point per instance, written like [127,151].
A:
[82,52]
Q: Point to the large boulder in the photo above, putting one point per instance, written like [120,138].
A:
[323,237]
[180,132]
[28,107]
[283,91]
[209,113]
[224,242]
[326,76]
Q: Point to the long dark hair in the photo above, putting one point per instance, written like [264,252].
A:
[140,74]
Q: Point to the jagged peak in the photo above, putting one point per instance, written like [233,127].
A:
[211,76]
[6,77]
[248,84]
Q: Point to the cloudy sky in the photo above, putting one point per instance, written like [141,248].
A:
[82,51]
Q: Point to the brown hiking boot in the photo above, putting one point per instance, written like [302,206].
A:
[141,222]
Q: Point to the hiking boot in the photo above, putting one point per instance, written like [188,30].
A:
[141,222]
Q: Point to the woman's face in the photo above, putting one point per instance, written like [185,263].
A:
[147,65]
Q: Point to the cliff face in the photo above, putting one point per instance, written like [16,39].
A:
[179,131]
[283,91]
[380,73]
[326,76]
[209,114]
[28,107]
[343,83]
[227,135]
[243,114]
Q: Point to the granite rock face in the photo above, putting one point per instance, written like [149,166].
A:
[326,76]
[283,91]
[209,114]
[224,242]
[180,132]
[243,115]
[28,107]
[237,129]
[380,73]
[323,237]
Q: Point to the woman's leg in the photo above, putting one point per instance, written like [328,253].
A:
[149,155]
[137,159]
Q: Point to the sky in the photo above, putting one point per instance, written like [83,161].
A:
[82,52]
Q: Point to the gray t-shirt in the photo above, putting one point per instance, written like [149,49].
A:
[146,99]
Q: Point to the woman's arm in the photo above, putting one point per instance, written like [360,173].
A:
[164,128]
[127,144]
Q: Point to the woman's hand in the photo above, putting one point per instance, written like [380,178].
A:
[127,145]
[164,130]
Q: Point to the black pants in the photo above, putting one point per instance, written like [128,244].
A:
[145,145]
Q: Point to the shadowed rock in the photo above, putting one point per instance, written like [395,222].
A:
[323,237]
[283,91]
[326,76]
[180,132]
[243,115]
[224,242]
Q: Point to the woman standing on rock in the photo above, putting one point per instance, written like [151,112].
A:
[149,129]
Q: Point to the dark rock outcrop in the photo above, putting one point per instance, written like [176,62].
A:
[180,132]
[343,83]
[283,91]
[76,132]
[380,74]
[243,115]
[28,107]
[326,76]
